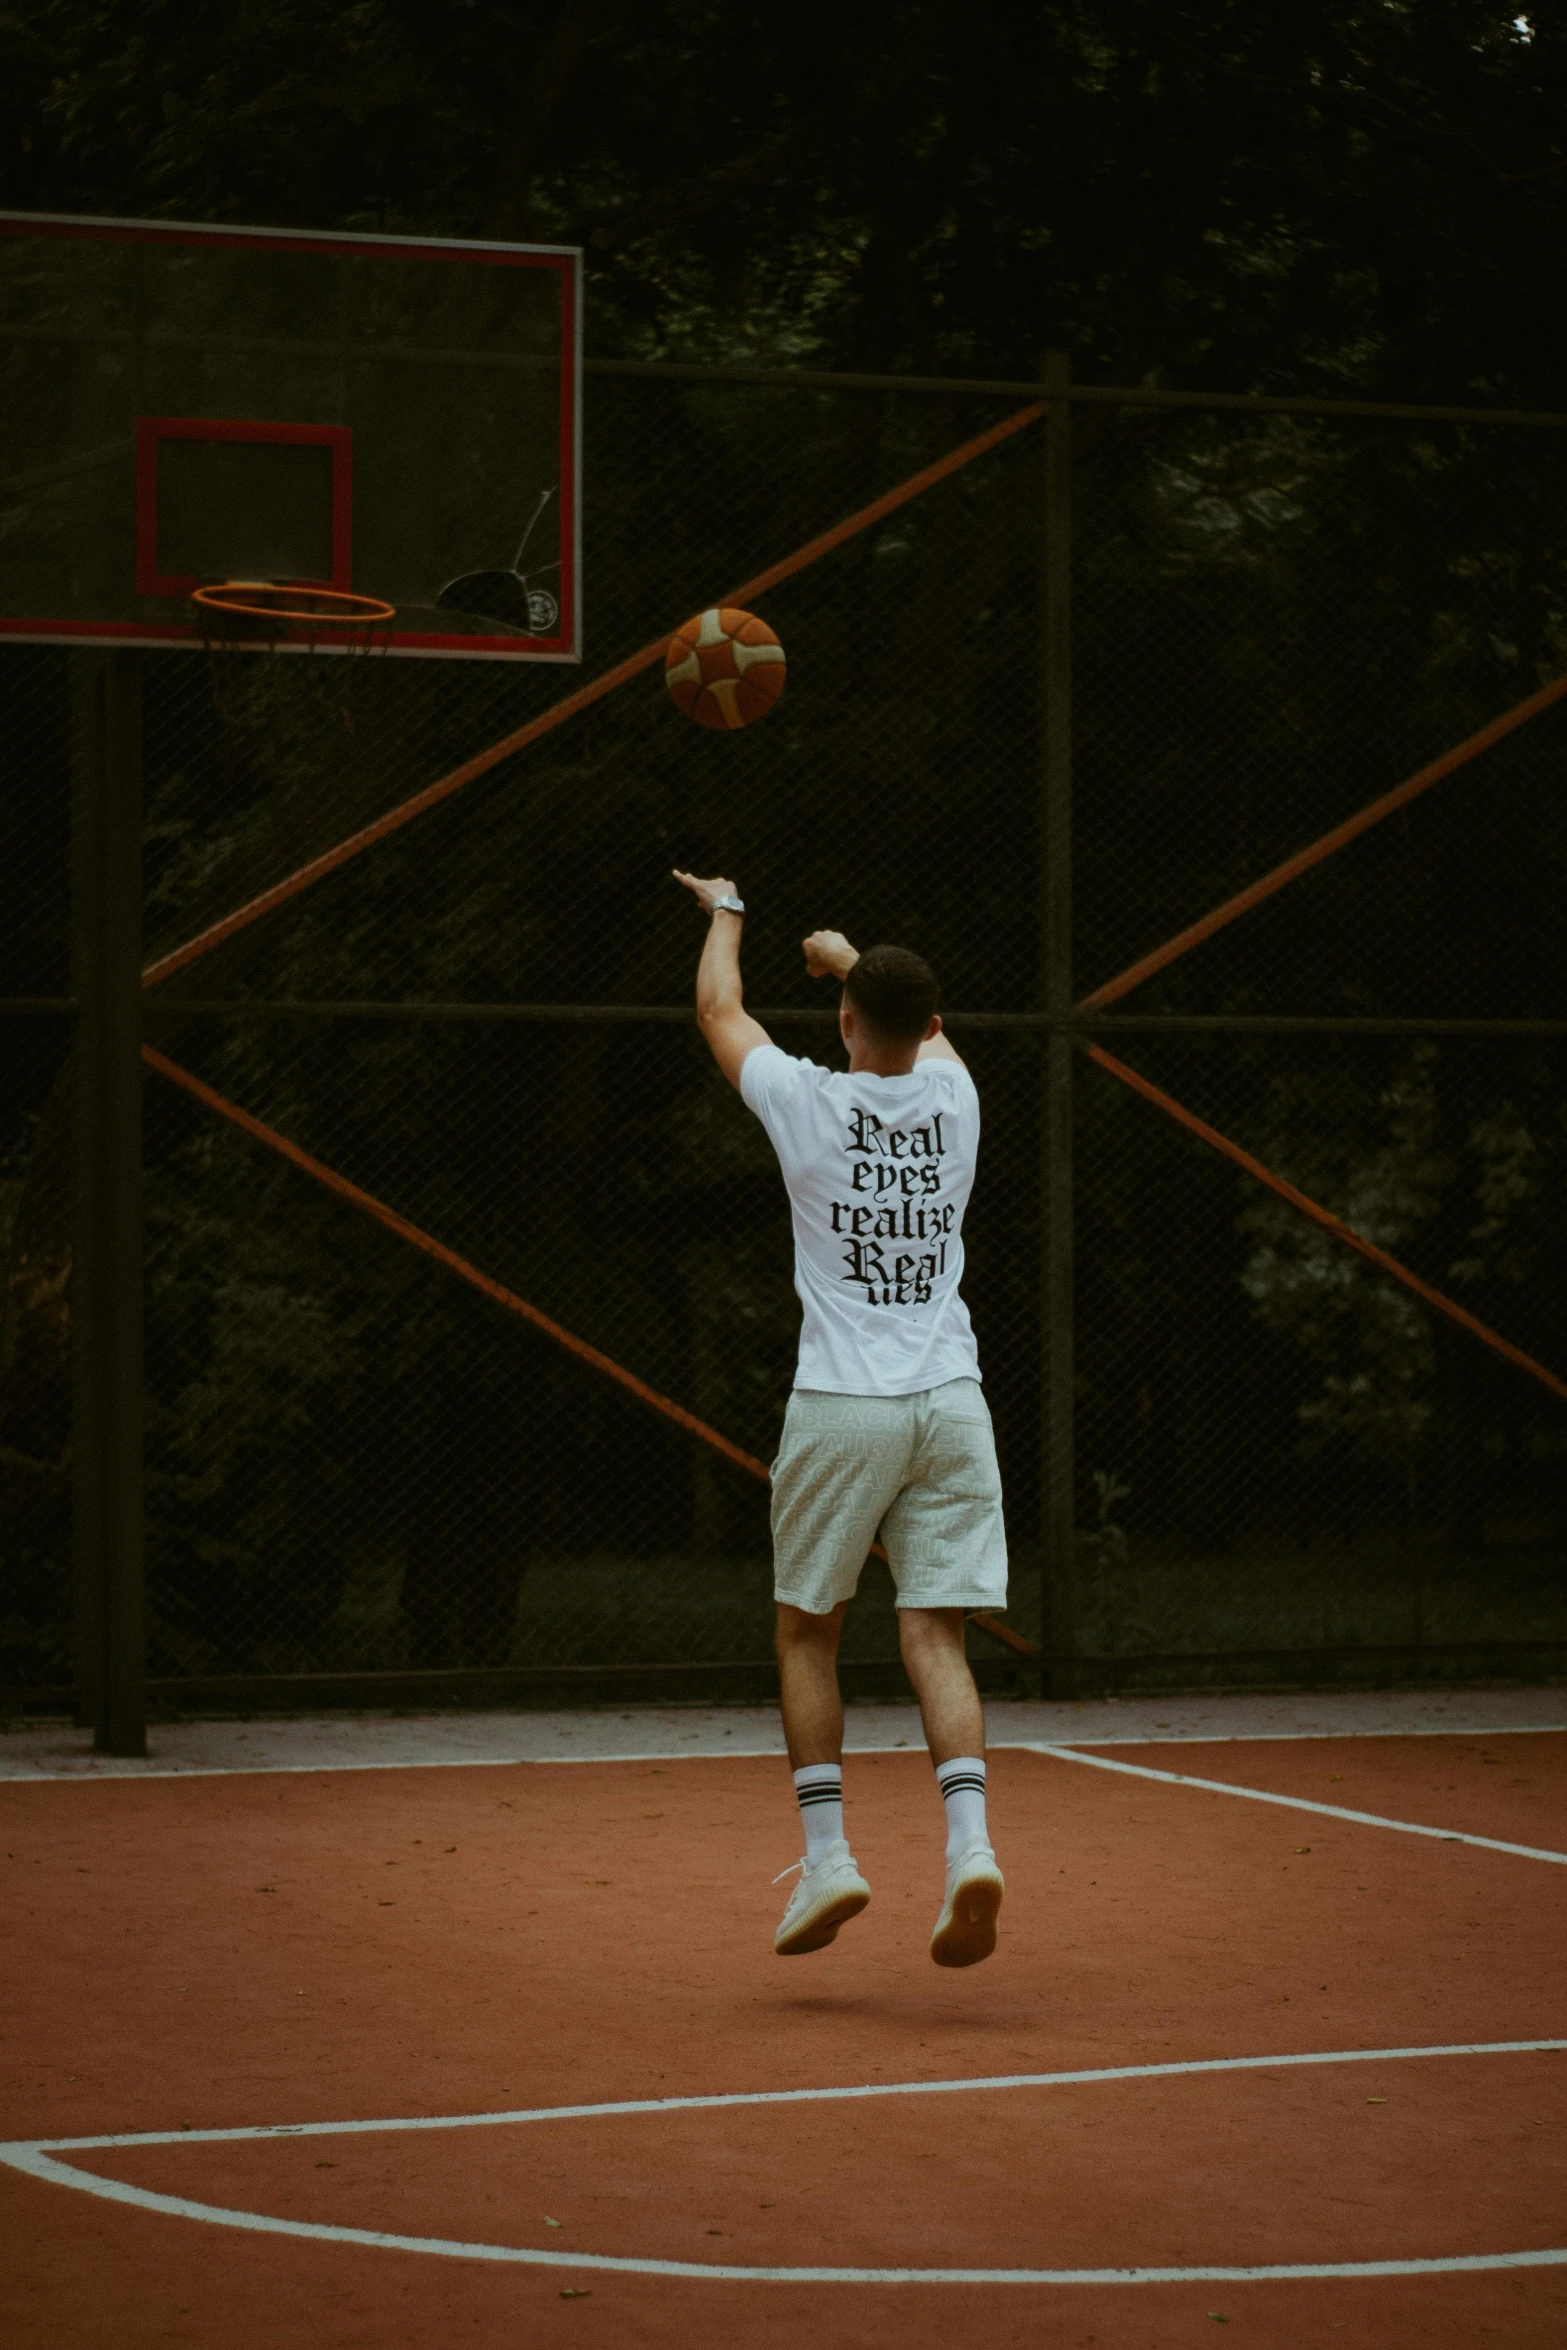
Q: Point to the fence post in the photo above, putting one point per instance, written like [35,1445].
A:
[1058,1454]
[106,1267]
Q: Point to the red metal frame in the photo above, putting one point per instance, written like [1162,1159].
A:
[151,431]
[565,262]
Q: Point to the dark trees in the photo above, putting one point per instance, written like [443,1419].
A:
[1319,193]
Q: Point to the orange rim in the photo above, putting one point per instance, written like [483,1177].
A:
[240,596]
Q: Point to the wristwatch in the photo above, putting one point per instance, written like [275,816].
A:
[728,905]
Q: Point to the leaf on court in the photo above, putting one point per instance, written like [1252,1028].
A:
[550,2223]
[575,2292]
[1376,2101]
[1218,2317]
[1303,1848]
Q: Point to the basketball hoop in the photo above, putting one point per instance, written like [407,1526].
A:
[253,601]
[262,616]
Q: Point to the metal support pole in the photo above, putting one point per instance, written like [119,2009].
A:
[1059,1628]
[106,1271]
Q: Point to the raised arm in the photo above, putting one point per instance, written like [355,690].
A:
[720,1004]
[828,955]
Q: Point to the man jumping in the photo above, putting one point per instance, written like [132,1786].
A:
[887,1432]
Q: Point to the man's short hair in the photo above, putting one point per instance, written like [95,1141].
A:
[894,991]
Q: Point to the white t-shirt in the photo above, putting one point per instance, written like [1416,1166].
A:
[878,1170]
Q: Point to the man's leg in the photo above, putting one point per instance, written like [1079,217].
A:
[841,1462]
[934,1658]
[813,1722]
[808,1684]
[831,1889]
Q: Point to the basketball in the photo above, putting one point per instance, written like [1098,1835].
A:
[724,668]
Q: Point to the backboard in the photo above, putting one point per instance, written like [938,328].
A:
[184,405]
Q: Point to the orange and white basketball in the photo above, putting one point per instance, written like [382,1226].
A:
[724,668]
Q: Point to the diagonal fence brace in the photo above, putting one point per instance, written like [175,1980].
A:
[369,1205]
[1304,859]
[558,712]
[1328,1222]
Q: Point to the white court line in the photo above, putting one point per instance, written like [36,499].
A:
[414,1762]
[1278,1737]
[1019,1745]
[640,2105]
[513,1762]
[35,2157]
[1332,1811]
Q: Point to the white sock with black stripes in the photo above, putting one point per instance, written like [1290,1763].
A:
[819,1787]
[962,1784]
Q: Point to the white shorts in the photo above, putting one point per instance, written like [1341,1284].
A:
[919,1470]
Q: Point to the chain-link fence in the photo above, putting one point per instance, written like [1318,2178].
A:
[364,1459]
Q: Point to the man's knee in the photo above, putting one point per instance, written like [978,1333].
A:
[798,1629]
[922,1629]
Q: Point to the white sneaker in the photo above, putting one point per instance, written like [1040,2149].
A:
[966,1929]
[826,1897]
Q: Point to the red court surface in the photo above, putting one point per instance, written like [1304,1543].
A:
[394,1945]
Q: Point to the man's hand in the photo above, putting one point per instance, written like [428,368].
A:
[828,955]
[720,1003]
[705,891]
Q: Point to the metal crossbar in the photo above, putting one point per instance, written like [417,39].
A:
[803,1016]
[797,379]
